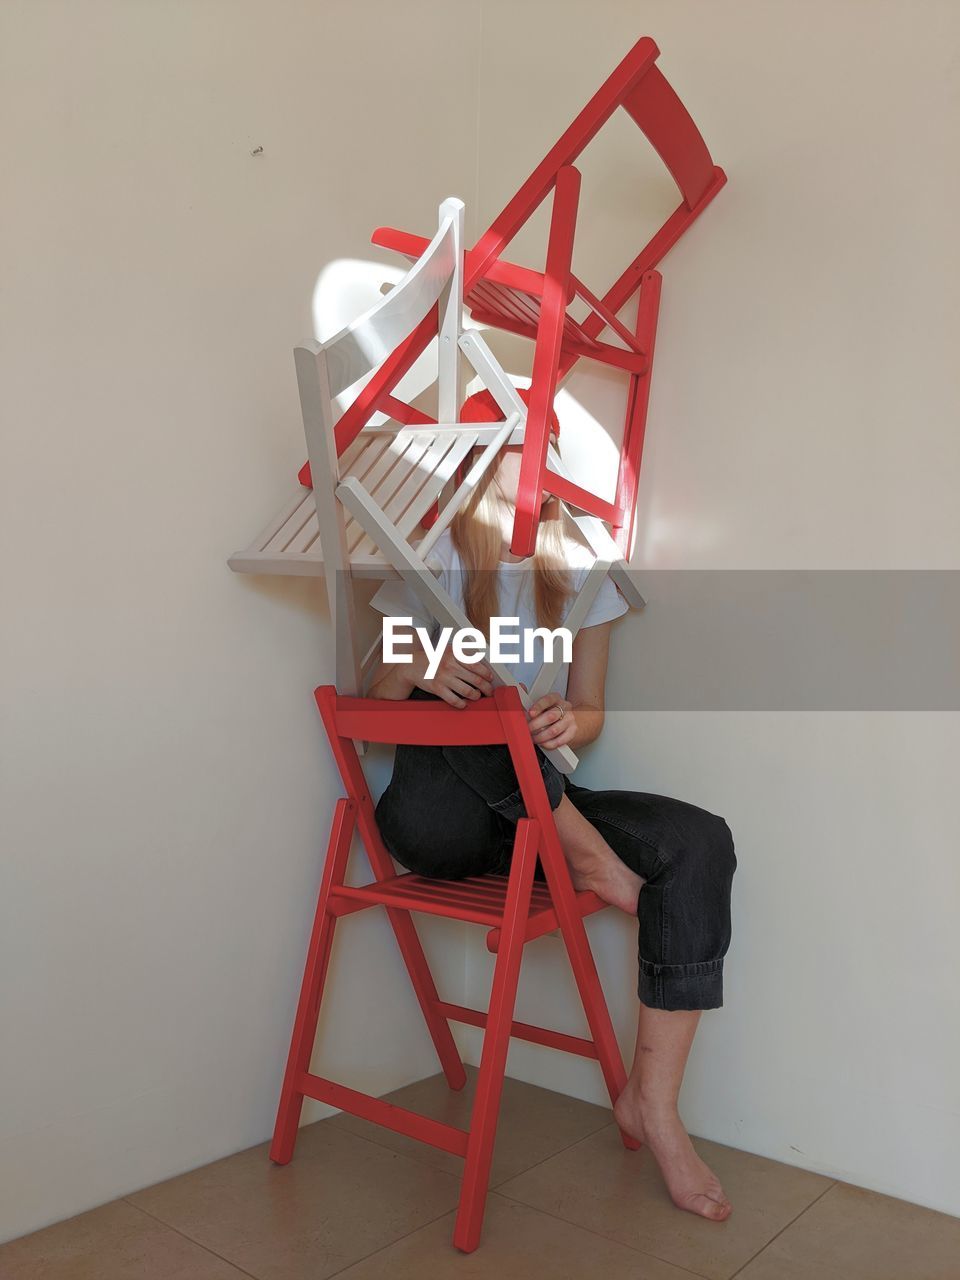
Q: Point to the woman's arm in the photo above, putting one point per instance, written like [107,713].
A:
[583,706]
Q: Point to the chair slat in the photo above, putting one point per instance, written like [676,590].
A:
[484,895]
[431,491]
[410,899]
[306,538]
[288,531]
[383,484]
[423,485]
[420,473]
[289,508]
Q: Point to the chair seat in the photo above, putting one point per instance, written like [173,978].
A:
[507,307]
[404,471]
[476,899]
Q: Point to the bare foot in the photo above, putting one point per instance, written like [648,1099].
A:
[611,880]
[692,1184]
[593,864]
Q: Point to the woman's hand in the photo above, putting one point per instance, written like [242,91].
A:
[455,682]
[552,722]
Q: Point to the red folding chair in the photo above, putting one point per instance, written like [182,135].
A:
[526,302]
[514,909]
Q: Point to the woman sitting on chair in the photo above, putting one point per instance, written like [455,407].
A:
[451,812]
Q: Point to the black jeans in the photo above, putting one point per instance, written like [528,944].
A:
[450,812]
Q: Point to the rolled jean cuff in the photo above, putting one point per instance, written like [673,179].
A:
[512,807]
[681,986]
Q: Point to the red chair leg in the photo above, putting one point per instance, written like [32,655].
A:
[546,361]
[311,989]
[638,396]
[564,901]
[411,948]
[408,940]
[587,979]
[496,1040]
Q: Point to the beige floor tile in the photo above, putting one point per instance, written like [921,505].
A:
[853,1234]
[599,1185]
[114,1242]
[518,1243]
[337,1201]
[534,1123]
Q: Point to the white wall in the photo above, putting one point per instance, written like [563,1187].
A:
[167,789]
[803,415]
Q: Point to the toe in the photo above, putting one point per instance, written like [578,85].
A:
[718,1209]
[715,1208]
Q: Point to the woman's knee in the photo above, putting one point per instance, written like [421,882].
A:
[704,849]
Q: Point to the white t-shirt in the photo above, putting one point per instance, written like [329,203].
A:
[515,582]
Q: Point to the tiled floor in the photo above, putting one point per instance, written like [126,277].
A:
[569,1204]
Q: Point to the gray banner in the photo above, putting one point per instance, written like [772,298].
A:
[793,640]
[788,640]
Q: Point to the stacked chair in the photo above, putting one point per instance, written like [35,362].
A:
[382,481]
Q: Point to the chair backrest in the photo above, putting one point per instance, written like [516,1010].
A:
[425,724]
[365,343]
[670,130]
[641,89]
[497,719]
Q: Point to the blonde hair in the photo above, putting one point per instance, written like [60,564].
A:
[476,534]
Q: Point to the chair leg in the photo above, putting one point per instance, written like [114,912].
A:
[311,989]
[382,866]
[638,396]
[546,360]
[591,992]
[496,1040]
[411,949]
[565,901]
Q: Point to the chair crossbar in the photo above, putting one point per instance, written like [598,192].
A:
[580,499]
[400,1119]
[523,1031]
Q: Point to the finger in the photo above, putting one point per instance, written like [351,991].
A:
[541,704]
[465,689]
[566,726]
[450,697]
[548,717]
[471,677]
[560,740]
[482,669]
